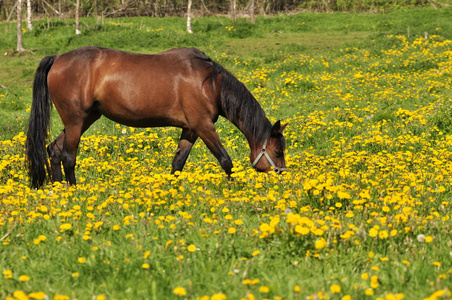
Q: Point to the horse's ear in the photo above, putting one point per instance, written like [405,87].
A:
[278,128]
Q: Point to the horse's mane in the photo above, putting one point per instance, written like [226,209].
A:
[238,105]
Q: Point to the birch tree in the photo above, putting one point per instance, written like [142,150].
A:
[77,17]
[189,16]
[252,11]
[233,10]
[20,47]
[29,24]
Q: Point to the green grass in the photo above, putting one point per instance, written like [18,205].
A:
[369,153]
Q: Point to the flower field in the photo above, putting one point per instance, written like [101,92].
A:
[365,211]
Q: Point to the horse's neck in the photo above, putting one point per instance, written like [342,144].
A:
[255,134]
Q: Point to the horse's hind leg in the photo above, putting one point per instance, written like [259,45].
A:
[186,142]
[55,150]
[72,136]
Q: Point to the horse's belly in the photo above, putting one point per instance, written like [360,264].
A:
[138,115]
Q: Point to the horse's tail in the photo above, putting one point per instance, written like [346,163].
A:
[38,125]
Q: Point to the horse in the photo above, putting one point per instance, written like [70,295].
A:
[180,87]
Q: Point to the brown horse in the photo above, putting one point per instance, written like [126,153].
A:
[180,87]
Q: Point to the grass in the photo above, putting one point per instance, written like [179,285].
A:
[364,212]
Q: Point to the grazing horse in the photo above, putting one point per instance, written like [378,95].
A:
[180,87]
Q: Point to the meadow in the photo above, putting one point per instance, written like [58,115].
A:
[364,211]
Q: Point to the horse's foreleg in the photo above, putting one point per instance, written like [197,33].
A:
[186,142]
[210,137]
[55,150]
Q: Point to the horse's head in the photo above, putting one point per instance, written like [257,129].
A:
[270,157]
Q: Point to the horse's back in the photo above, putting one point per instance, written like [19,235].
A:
[133,89]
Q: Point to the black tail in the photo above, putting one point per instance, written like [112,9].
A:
[38,125]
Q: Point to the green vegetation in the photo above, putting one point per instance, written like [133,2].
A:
[363,213]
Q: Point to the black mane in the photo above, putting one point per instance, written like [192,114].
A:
[240,107]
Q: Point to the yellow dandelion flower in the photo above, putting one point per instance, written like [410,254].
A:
[335,289]
[37,295]
[20,295]
[179,291]
[369,292]
[81,260]
[320,244]
[65,226]
[219,296]
[145,266]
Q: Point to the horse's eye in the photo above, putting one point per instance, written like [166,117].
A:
[279,154]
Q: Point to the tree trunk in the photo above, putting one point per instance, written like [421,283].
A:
[29,24]
[233,10]
[189,16]
[77,17]
[20,47]
[252,11]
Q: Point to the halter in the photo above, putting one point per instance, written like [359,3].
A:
[276,169]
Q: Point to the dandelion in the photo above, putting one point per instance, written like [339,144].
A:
[81,260]
[219,296]
[37,295]
[65,226]
[374,282]
[232,230]
[383,234]
[373,232]
[191,248]
[8,274]
[437,264]
[20,295]
[179,291]
[421,238]
[264,289]
[24,278]
[320,244]
[335,289]
[264,227]
[255,252]
[250,281]
[297,289]
[145,266]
